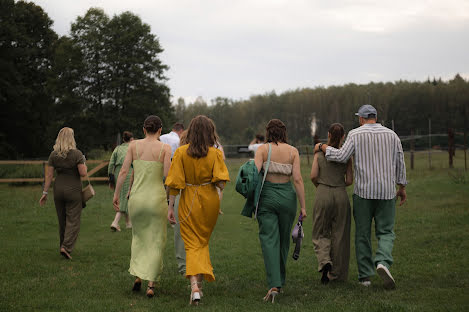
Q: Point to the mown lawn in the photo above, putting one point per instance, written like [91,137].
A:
[431,255]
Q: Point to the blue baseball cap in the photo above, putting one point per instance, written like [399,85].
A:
[366,110]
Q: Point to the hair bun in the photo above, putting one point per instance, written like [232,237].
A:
[152,124]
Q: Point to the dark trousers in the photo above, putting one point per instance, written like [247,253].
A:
[68,204]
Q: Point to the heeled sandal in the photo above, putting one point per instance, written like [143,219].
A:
[150,291]
[137,285]
[271,294]
[195,294]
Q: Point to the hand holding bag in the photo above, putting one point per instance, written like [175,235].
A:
[87,192]
[297,236]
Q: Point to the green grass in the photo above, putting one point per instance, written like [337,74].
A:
[431,255]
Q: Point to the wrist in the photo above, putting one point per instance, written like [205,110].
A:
[44,193]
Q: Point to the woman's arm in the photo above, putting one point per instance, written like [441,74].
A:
[166,159]
[349,173]
[82,170]
[298,182]
[261,154]
[49,176]
[112,162]
[131,182]
[122,175]
[171,217]
[315,170]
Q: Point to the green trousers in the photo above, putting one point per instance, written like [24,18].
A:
[276,214]
[383,212]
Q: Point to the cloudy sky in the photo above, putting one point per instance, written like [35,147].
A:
[239,48]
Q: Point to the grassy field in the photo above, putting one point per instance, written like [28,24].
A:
[431,255]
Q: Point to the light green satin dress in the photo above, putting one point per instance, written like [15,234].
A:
[148,210]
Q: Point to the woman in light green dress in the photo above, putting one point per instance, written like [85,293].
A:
[115,164]
[148,207]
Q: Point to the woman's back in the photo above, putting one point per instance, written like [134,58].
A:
[148,167]
[331,173]
[281,162]
[68,175]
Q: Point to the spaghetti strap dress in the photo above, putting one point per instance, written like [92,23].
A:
[148,211]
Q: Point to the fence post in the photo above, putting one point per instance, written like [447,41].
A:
[465,147]
[450,146]
[412,147]
[429,143]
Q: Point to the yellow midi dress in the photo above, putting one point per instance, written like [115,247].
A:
[199,204]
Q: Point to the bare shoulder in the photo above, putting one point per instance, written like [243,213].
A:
[166,147]
[293,150]
[132,144]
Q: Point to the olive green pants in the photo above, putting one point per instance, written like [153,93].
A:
[383,212]
[276,214]
[331,230]
[68,204]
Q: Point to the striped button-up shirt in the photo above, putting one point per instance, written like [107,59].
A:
[378,160]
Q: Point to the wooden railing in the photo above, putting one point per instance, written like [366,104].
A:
[100,164]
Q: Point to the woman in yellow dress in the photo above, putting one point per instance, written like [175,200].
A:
[147,205]
[197,170]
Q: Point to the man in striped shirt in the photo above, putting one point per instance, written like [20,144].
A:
[379,166]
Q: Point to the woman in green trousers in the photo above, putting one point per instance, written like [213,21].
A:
[277,205]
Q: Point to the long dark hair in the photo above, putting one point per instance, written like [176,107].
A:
[276,132]
[336,132]
[201,136]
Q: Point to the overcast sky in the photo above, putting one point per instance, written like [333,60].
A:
[239,48]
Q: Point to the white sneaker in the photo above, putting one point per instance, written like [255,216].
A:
[386,276]
[365,281]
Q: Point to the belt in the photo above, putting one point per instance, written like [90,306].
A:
[193,198]
[198,184]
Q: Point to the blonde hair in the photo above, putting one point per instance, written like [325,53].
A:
[65,142]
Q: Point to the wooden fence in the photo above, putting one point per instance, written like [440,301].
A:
[100,164]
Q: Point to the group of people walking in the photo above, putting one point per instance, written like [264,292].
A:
[180,177]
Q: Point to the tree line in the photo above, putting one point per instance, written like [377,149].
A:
[406,105]
[104,77]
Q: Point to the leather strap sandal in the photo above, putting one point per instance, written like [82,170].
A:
[150,291]
[137,285]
